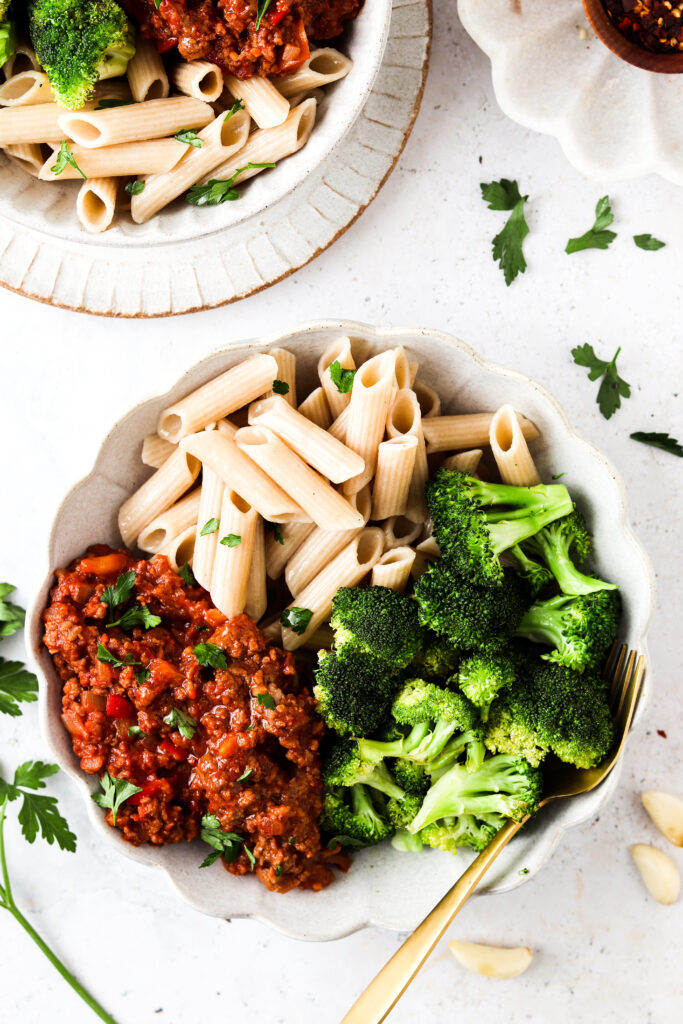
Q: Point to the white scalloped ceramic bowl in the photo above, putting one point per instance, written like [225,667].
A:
[51,208]
[383,887]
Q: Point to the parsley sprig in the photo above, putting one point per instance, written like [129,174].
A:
[138,615]
[508,243]
[119,592]
[261,8]
[210,656]
[296,619]
[225,844]
[189,137]
[648,243]
[342,379]
[597,237]
[184,723]
[219,190]
[613,387]
[115,792]
[656,439]
[64,157]
[11,615]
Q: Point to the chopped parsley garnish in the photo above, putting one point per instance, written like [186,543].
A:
[134,187]
[210,526]
[292,840]
[280,387]
[184,723]
[237,105]
[276,531]
[225,844]
[120,592]
[189,137]
[246,775]
[135,730]
[558,476]
[17,684]
[250,727]
[261,8]
[342,379]
[508,243]
[211,656]
[142,675]
[232,540]
[265,700]
[597,237]
[612,388]
[278,870]
[523,871]
[110,659]
[659,440]
[296,619]
[64,157]
[187,576]
[109,103]
[138,615]
[217,191]
[11,615]
[252,858]
[116,792]
[648,243]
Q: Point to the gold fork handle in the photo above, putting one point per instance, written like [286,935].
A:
[385,990]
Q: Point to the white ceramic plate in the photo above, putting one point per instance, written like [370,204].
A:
[552,74]
[383,887]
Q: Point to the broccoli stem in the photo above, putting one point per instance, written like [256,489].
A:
[506,530]
[115,62]
[572,581]
[543,623]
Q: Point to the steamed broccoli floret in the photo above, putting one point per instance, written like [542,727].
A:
[353,691]
[405,842]
[8,34]
[536,575]
[437,659]
[377,621]
[512,726]
[468,615]
[482,676]
[401,812]
[79,42]
[345,765]
[580,629]
[503,784]
[466,830]
[409,775]
[557,545]
[471,535]
[353,814]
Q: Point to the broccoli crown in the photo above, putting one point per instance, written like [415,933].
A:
[536,575]
[353,818]
[353,691]
[580,629]
[512,726]
[482,676]
[409,775]
[471,535]
[401,812]
[437,659]
[79,42]
[466,830]
[377,621]
[468,615]
[502,784]
[420,701]
[557,544]
[344,765]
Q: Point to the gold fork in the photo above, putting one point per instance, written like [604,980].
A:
[626,672]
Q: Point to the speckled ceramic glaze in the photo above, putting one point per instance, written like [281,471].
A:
[383,887]
[551,73]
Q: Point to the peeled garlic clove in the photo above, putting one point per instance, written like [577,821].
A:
[491,961]
[658,871]
[666,811]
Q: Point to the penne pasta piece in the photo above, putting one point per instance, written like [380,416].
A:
[155,450]
[395,470]
[151,119]
[272,630]
[429,549]
[311,443]
[28,155]
[23,59]
[96,203]
[405,420]
[280,549]
[226,427]
[206,538]
[180,549]
[261,99]
[321,640]
[467,430]
[323,67]
[308,489]
[338,428]
[221,454]
[311,94]
[26,89]
[466,462]
[158,493]
[399,531]
[39,123]
[220,396]
[146,73]
[286,372]
[169,524]
[402,368]
[232,564]
[321,546]
[393,569]
[338,352]
[510,450]
[414,369]
[372,394]
[130,158]
[428,400]
[316,409]
[257,596]
[349,567]
[198,78]
[110,89]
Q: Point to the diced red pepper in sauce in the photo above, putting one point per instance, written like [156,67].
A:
[119,707]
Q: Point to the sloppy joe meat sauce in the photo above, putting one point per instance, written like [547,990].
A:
[275,808]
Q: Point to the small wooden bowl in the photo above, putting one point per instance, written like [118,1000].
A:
[609,34]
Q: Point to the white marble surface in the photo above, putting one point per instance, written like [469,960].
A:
[604,950]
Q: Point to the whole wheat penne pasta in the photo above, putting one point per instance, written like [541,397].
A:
[268,145]
[414,368]
[280,548]
[349,567]
[399,531]
[311,94]
[310,491]
[321,640]
[428,400]
[372,394]
[510,450]
[286,374]
[313,444]
[323,67]
[429,549]
[39,123]
[96,203]
[402,368]
[257,596]
[152,119]
[28,155]
[232,563]
[404,419]
[338,427]
[110,89]
[221,454]
[218,140]
[130,158]
[26,89]
[466,462]
[321,546]
[260,97]
[146,73]
[180,549]
[395,470]
[272,630]
[23,59]
[155,450]
[467,430]
[163,488]
[220,396]
[393,569]
[316,409]
[198,78]
[338,352]
[169,524]
[224,426]
[207,525]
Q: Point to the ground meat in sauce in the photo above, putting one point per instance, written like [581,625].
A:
[224,31]
[276,808]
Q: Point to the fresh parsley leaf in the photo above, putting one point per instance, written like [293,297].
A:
[296,619]
[189,137]
[335,841]
[210,526]
[11,615]
[237,105]
[157,3]
[342,379]
[138,615]
[659,440]
[217,191]
[523,871]
[116,792]
[648,243]
[134,187]
[31,774]
[110,659]
[278,870]
[17,684]
[246,774]
[107,104]
[142,675]
[225,844]
[265,700]
[120,592]
[184,723]
[251,727]
[613,388]
[597,237]
[292,840]
[135,730]
[261,8]
[38,812]
[558,476]
[231,540]
[252,858]
[210,655]
[276,531]
[64,157]
[280,387]
[508,243]
[187,576]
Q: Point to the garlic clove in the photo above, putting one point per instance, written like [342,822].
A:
[666,811]
[491,961]
[658,871]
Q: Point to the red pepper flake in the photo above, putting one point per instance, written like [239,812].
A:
[656,25]
[660,732]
